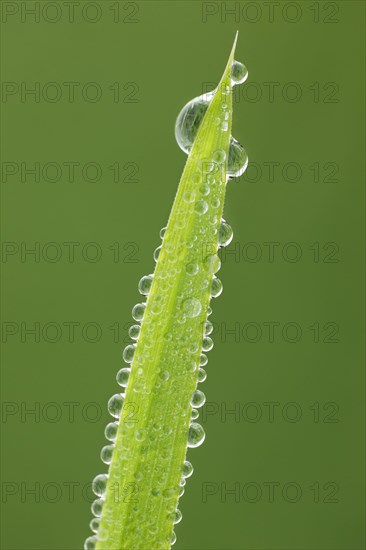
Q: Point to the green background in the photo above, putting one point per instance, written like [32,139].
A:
[169,54]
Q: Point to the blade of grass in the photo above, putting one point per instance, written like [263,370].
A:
[146,469]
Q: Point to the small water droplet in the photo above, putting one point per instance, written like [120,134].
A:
[207,343]
[195,414]
[145,284]
[203,360]
[192,307]
[187,469]
[196,435]
[215,203]
[140,435]
[97,507]
[239,73]
[204,190]
[198,399]
[208,328]
[164,375]
[90,543]
[94,524]
[202,375]
[219,156]
[201,207]
[123,376]
[128,353]
[134,331]
[238,159]
[162,232]
[156,253]
[115,405]
[107,453]
[213,263]
[216,287]
[173,538]
[189,196]
[226,233]
[111,430]
[138,312]
[192,268]
[99,484]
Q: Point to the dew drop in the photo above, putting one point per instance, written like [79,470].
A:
[134,331]
[173,538]
[138,312]
[123,376]
[156,253]
[164,375]
[198,399]
[111,430]
[128,353]
[189,196]
[192,307]
[107,453]
[99,484]
[207,343]
[239,73]
[219,156]
[145,284]
[201,207]
[195,414]
[115,405]
[215,203]
[196,435]
[202,375]
[90,543]
[212,263]
[238,159]
[140,435]
[162,232]
[204,190]
[216,287]
[192,268]
[94,524]
[177,517]
[225,234]
[190,119]
[97,507]
[203,360]
[208,328]
[187,469]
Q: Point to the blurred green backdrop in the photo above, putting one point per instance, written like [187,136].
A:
[283,469]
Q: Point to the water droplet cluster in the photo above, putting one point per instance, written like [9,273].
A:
[206,201]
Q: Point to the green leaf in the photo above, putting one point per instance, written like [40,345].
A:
[146,468]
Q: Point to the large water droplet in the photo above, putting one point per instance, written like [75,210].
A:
[99,484]
[190,119]
[225,234]
[239,73]
[213,263]
[238,159]
[115,405]
[196,435]
[192,307]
